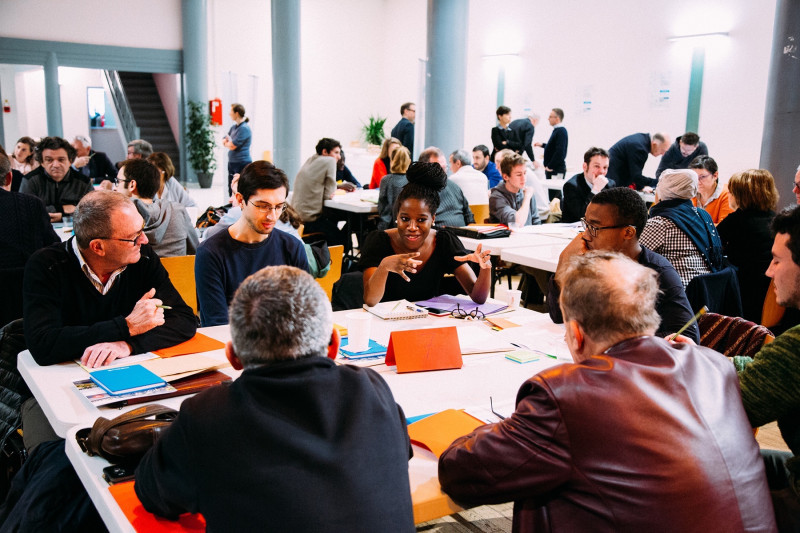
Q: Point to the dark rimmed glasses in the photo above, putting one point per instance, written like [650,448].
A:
[475,314]
[592,229]
[266,208]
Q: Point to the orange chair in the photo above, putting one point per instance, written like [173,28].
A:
[771,313]
[181,274]
[480,212]
[333,275]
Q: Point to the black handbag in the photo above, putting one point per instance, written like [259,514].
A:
[126,438]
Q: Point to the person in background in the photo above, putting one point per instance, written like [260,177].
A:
[472,182]
[579,190]
[524,129]
[627,427]
[502,135]
[345,177]
[404,130]
[391,185]
[24,228]
[682,233]
[555,150]
[304,428]
[513,201]
[409,262]
[746,236]
[139,149]
[480,154]
[23,159]
[711,194]
[237,141]
[381,166]
[248,245]
[96,166]
[796,187]
[55,182]
[683,151]
[167,225]
[170,188]
[628,156]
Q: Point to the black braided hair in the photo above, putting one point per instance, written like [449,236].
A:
[425,180]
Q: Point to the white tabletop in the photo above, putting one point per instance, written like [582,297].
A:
[543,234]
[482,375]
[543,257]
[358,201]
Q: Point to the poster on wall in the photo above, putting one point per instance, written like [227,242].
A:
[660,90]
[584,99]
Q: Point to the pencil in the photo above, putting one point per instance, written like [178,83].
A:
[700,313]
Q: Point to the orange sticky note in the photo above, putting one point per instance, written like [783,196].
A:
[502,323]
[141,520]
[438,431]
[197,344]
[417,350]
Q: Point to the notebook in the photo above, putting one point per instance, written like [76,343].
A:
[401,310]
[374,350]
[126,379]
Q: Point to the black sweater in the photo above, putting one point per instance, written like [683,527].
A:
[65,314]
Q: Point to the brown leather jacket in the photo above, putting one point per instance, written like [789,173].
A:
[645,437]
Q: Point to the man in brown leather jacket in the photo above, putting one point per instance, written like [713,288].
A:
[639,434]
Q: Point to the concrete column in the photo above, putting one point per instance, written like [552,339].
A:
[781,137]
[445,91]
[52,96]
[695,89]
[286,105]
[195,65]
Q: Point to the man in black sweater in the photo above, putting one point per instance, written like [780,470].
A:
[555,150]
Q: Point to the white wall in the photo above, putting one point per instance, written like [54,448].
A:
[362,58]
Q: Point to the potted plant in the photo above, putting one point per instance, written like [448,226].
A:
[200,143]
[373,131]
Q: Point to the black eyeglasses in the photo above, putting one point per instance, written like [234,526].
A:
[266,208]
[132,241]
[117,181]
[475,314]
[594,229]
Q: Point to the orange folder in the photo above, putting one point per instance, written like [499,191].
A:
[417,350]
[438,431]
[143,521]
[197,344]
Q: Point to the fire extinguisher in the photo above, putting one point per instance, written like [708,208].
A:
[215,110]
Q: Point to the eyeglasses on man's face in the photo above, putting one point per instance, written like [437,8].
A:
[134,241]
[266,208]
[592,229]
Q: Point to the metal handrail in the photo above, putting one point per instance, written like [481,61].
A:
[123,108]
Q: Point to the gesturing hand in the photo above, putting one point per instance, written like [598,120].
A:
[402,263]
[146,314]
[104,352]
[483,258]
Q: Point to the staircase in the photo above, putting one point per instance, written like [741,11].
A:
[148,112]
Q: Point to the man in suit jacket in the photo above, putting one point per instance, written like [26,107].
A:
[91,164]
[629,155]
[404,130]
[525,128]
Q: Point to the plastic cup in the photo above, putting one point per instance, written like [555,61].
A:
[513,298]
[358,326]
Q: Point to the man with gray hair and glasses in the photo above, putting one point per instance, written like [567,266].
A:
[251,243]
[91,163]
[635,423]
[103,294]
[297,442]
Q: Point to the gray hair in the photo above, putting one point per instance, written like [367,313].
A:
[93,215]
[463,156]
[83,140]
[427,153]
[141,146]
[279,313]
[612,297]
[677,183]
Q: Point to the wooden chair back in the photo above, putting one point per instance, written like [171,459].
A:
[333,275]
[771,313]
[181,273]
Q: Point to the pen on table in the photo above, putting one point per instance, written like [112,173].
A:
[523,347]
[415,309]
[164,306]
[700,313]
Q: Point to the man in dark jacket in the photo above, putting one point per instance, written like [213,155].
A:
[555,150]
[404,130]
[94,165]
[297,442]
[638,434]
[682,152]
[524,129]
[579,190]
[629,155]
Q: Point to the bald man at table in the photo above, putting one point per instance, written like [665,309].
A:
[637,434]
